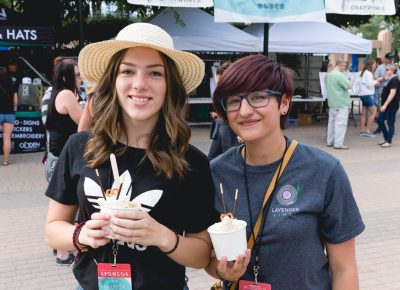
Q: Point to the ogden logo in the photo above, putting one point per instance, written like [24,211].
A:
[287,196]
[29,145]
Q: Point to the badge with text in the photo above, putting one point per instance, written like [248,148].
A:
[251,285]
[114,276]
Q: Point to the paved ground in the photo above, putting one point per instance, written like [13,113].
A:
[26,261]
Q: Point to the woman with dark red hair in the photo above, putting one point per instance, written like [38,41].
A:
[301,215]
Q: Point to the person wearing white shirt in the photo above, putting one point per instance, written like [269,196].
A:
[366,92]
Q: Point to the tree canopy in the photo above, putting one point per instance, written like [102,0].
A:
[64,16]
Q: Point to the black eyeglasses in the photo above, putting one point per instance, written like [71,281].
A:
[77,75]
[256,99]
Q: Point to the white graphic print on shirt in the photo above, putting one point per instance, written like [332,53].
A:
[147,199]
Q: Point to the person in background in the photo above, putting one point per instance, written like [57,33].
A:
[8,103]
[389,106]
[46,99]
[221,133]
[380,72]
[337,85]
[14,72]
[85,122]
[62,120]
[381,67]
[309,225]
[366,92]
[382,79]
[139,110]
[47,94]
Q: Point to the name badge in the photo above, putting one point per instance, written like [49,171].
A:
[251,285]
[114,276]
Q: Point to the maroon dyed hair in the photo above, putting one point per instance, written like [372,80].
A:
[253,73]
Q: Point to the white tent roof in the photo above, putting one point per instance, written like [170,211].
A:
[199,32]
[310,37]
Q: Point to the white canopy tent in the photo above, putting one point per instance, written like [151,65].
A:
[310,37]
[197,31]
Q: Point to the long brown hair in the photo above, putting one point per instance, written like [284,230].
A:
[169,140]
[368,66]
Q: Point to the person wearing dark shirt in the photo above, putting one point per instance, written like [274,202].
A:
[389,106]
[62,121]
[139,102]
[8,101]
[221,133]
[15,74]
[64,111]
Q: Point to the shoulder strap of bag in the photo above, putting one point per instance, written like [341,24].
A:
[257,225]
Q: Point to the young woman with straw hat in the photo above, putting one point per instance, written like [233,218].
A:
[142,84]
[301,224]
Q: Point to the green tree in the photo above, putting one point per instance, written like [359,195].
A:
[370,29]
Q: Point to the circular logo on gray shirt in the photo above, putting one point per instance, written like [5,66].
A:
[287,195]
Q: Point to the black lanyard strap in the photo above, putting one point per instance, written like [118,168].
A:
[265,208]
[261,217]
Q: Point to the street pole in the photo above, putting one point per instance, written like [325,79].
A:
[81,36]
[266,36]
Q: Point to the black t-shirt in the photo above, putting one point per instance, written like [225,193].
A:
[16,80]
[60,126]
[181,205]
[6,98]
[392,84]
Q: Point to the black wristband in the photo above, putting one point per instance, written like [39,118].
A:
[175,246]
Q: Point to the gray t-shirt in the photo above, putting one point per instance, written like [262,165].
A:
[312,204]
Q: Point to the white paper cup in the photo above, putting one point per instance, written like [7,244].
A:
[112,211]
[230,244]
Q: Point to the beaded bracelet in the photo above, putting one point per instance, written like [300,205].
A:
[75,237]
[175,246]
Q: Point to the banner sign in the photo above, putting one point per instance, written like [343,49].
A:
[29,135]
[352,92]
[26,35]
[361,7]
[174,3]
[274,11]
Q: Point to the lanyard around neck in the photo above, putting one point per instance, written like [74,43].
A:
[285,159]
[266,203]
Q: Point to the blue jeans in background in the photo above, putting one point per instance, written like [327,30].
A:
[390,117]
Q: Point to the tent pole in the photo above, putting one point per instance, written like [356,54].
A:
[266,36]
[81,37]
[307,73]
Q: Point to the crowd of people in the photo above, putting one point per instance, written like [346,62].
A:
[378,90]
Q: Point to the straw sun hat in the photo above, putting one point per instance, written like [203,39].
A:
[94,58]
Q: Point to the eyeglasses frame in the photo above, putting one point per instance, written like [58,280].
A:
[244,96]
